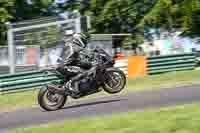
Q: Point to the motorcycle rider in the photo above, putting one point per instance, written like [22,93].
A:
[79,62]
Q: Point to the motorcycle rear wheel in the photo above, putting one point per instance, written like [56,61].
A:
[50,101]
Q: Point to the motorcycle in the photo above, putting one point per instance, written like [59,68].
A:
[104,78]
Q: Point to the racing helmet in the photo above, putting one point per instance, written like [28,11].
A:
[81,39]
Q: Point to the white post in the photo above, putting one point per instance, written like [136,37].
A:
[11,48]
[89,26]
[78,25]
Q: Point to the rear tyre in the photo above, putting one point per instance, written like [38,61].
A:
[50,101]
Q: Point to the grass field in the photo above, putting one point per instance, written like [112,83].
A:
[168,80]
[182,119]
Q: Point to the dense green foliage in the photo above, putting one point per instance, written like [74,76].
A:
[171,14]
[132,16]
[16,10]
[6,11]
[119,16]
[115,16]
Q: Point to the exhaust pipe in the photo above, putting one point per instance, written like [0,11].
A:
[55,89]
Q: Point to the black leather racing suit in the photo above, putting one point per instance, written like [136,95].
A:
[80,64]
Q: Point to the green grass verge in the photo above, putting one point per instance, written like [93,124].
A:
[12,102]
[168,80]
[182,119]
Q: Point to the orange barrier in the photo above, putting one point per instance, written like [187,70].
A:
[137,66]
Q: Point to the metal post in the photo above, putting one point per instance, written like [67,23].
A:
[78,25]
[46,56]
[89,26]
[11,48]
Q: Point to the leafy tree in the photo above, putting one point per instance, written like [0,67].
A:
[119,16]
[16,10]
[26,10]
[170,14]
[114,16]
[6,9]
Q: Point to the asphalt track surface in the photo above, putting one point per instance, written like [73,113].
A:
[136,101]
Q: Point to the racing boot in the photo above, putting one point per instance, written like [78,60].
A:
[73,87]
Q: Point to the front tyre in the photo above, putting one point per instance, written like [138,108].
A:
[50,101]
[115,80]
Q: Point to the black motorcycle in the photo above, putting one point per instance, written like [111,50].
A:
[105,77]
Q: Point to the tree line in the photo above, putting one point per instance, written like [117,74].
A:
[113,16]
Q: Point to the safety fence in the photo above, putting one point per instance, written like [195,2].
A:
[136,66]
[132,67]
[140,65]
[4,69]
[11,83]
[162,64]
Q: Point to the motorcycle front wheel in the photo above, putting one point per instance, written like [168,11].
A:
[115,80]
[50,101]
